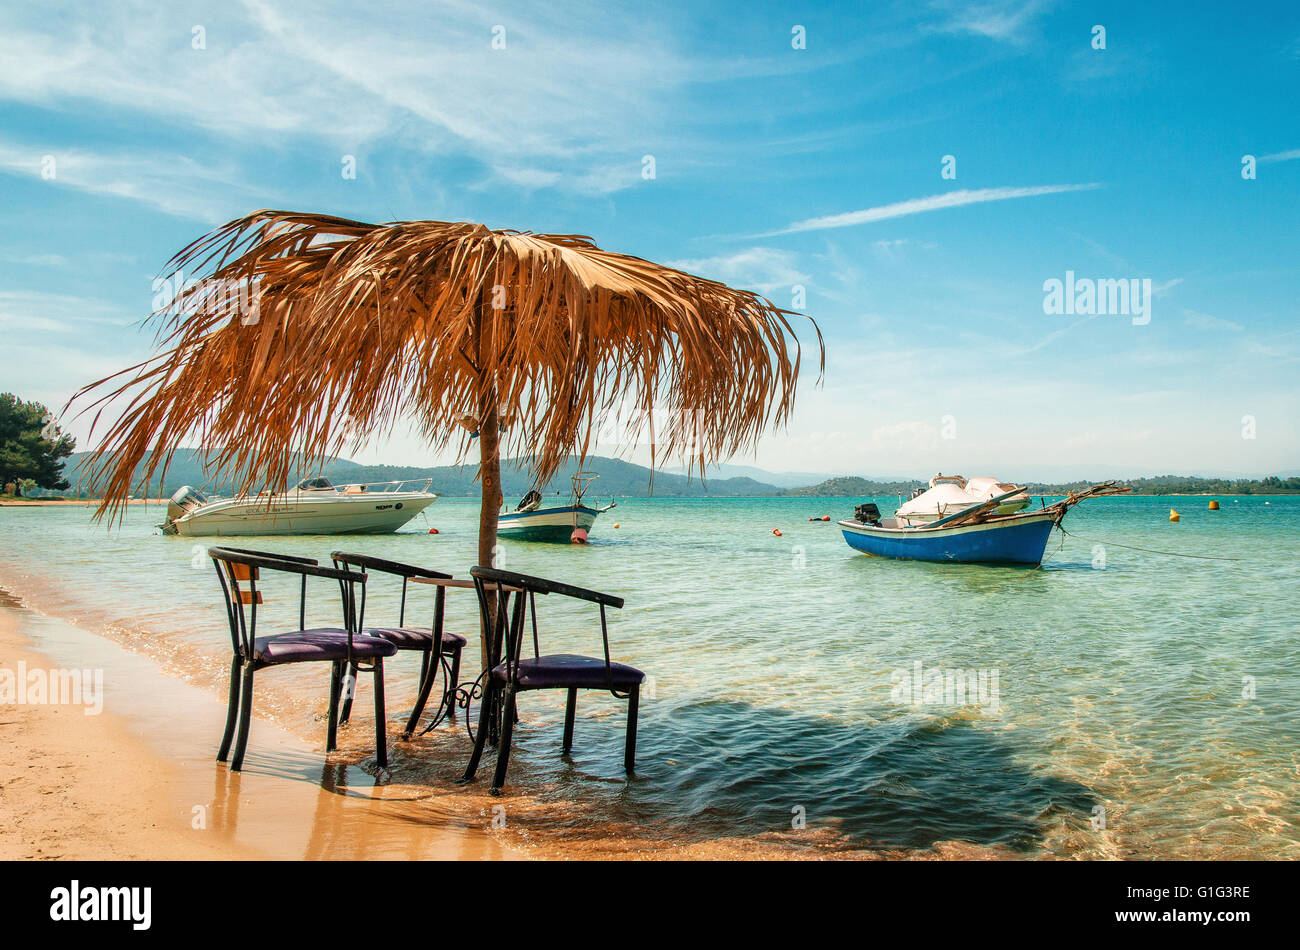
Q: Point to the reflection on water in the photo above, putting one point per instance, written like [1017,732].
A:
[1145,708]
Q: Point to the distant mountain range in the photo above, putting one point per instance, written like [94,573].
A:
[617,478]
[627,480]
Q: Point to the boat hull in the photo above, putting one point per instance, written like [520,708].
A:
[1018,539]
[547,524]
[347,514]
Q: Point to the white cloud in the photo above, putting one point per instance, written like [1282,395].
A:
[1289,156]
[1205,321]
[764,269]
[1003,20]
[172,183]
[951,199]
[573,101]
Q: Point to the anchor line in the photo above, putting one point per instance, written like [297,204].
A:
[1199,557]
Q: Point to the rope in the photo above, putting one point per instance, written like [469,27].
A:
[1199,557]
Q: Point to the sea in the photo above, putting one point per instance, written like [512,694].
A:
[1135,696]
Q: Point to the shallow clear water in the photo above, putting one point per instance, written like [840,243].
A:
[1157,693]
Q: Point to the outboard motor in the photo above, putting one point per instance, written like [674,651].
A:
[185,500]
[867,514]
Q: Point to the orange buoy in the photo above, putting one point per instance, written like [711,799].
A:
[1173,515]
[1214,506]
[578,537]
[433,530]
[777,532]
[812,519]
[615,525]
[826,517]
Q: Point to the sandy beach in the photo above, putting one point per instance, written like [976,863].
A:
[138,781]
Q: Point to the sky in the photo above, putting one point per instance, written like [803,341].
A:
[913,176]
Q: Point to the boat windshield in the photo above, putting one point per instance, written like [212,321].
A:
[318,483]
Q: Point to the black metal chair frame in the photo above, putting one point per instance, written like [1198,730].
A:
[238,565]
[433,659]
[499,711]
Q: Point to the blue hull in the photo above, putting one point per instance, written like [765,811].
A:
[1014,541]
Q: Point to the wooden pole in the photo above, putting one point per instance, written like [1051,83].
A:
[489,442]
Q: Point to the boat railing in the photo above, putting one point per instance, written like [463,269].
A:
[386,488]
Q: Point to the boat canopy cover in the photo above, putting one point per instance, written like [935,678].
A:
[949,494]
[316,483]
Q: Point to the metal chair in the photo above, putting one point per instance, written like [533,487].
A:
[515,673]
[238,571]
[436,646]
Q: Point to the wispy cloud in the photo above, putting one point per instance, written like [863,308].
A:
[561,105]
[764,269]
[951,199]
[1004,20]
[1290,156]
[175,184]
[1205,321]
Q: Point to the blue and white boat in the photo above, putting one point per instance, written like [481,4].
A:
[571,522]
[995,530]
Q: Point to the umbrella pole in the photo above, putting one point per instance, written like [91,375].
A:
[490,478]
[489,443]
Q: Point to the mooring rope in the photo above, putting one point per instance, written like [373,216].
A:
[1199,557]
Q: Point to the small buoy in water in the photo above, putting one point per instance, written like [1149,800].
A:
[433,530]
[615,525]
[812,519]
[578,537]
[826,517]
[777,532]
[1173,515]
[1214,506]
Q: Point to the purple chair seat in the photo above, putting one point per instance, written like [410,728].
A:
[564,670]
[319,643]
[415,638]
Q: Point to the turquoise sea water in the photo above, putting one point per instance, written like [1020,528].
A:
[1134,704]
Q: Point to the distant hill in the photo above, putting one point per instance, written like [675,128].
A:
[617,477]
[852,485]
[628,480]
[779,479]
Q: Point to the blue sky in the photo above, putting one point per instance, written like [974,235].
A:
[773,167]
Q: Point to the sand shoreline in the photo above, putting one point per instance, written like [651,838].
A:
[138,782]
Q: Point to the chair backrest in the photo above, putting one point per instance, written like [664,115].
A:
[505,624]
[368,562]
[238,571]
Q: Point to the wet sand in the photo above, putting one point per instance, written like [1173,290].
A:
[139,780]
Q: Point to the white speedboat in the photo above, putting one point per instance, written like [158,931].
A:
[531,522]
[315,507]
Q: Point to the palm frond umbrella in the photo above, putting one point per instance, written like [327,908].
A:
[341,329]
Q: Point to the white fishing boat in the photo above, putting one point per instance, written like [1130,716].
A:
[531,522]
[316,506]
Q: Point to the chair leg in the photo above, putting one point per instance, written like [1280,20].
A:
[503,750]
[481,737]
[232,711]
[452,681]
[629,748]
[245,718]
[349,691]
[570,710]
[332,729]
[381,723]
[428,673]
